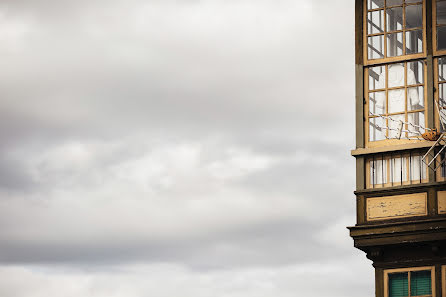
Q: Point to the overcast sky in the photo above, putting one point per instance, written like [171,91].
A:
[191,148]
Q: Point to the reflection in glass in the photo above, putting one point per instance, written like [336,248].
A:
[394,19]
[395,44]
[442,95]
[377,102]
[414,16]
[414,42]
[372,4]
[376,47]
[441,13]
[442,69]
[398,167]
[396,100]
[415,98]
[417,168]
[415,73]
[378,171]
[396,75]
[441,38]
[375,129]
[394,2]
[375,22]
[377,79]
[417,119]
[394,125]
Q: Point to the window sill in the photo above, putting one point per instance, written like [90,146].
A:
[391,148]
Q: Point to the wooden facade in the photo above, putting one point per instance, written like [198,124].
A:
[401,221]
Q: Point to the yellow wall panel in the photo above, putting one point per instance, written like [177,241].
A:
[399,206]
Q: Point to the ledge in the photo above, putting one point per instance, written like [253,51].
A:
[391,148]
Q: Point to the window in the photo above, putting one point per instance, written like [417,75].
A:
[409,282]
[396,101]
[395,169]
[394,28]
[440,96]
[439,25]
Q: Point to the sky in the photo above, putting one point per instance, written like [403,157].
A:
[189,148]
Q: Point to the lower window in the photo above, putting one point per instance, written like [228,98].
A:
[409,282]
[388,170]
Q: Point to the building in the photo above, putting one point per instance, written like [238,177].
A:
[400,170]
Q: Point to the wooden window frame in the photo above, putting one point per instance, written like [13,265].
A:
[403,57]
[412,269]
[367,92]
[434,30]
[389,182]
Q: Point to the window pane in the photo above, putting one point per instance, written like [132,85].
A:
[414,16]
[441,13]
[442,95]
[375,21]
[372,4]
[396,100]
[415,98]
[394,19]
[377,78]
[378,171]
[416,119]
[442,69]
[399,169]
[377,102]
[413,1]
[375,129]
[395,44]
[396,75]
[417,173]
[394,2]
[441,38]
[415,73]
[398,285]
[420,283]
[395,125]
[414,42]
[376,47]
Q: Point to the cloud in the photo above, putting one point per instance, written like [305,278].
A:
[191,133]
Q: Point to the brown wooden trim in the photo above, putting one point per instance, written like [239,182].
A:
[391,148]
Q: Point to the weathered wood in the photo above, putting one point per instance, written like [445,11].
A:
[398,206]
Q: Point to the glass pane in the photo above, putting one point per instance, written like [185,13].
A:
[442,95]
[441,38]
[378,171]
[396,101]
[396,75]
[394,2]
[398,167]
[375,129]
[442,69]
[414,16]
[375,22]
[376,47]
[377,78]
[372,4]
[441,13]
[415,73]
[394,19]
[395,44]
[420,283]
[413,1]
[398,285]
[414,42]
[417,173]
[377,103]
[395,125]
[416,119]
[415,98]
